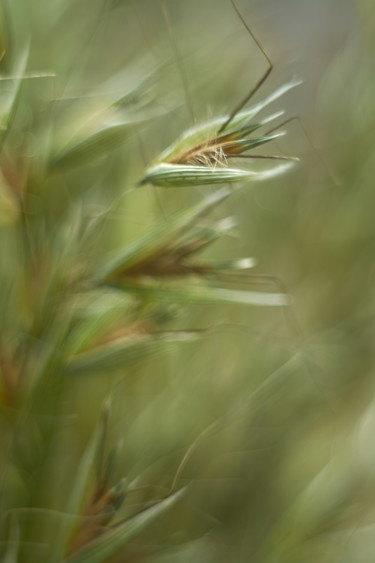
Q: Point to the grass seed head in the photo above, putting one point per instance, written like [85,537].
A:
[200,156]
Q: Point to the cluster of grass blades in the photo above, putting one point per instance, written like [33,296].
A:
[67,311]
[104,399]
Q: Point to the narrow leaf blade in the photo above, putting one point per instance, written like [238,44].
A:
[115,538]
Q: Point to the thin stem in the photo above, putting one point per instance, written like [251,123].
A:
[259,83]
[178,57]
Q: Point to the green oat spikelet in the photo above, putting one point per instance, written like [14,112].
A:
[200,156]
[163,265]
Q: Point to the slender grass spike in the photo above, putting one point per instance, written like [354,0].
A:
[200,156]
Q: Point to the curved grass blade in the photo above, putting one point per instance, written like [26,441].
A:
[125,351]
[118,536]
[8,104]
[181,175]
[203,294]
[79,488]
[107,137]
[103,120]
[11,554]
[163,235]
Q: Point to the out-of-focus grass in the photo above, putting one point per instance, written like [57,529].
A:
[278,420]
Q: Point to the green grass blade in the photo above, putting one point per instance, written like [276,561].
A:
[250,113]
[9,103]
[204,294]
[115,538]
[79,488]
[245,130]
[239,146]
[163,234]
[125,352]
[181,175]
[11,554]
[93,146]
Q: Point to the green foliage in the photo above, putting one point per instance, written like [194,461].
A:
[159,401]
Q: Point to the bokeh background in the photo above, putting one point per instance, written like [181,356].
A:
[280,405]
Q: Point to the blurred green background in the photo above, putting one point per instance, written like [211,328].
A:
[282,403]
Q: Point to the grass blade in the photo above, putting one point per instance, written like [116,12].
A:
[205,294]
[125,352]
[79,488]
[115,538]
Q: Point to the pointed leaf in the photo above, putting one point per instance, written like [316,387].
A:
[239,146]
[115,538]
[11,554]
[164,234]
[246,130]
[124,352]
[9,102]
[79,488]
[179,175]
[203,294]
[246,115]
[93,146]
